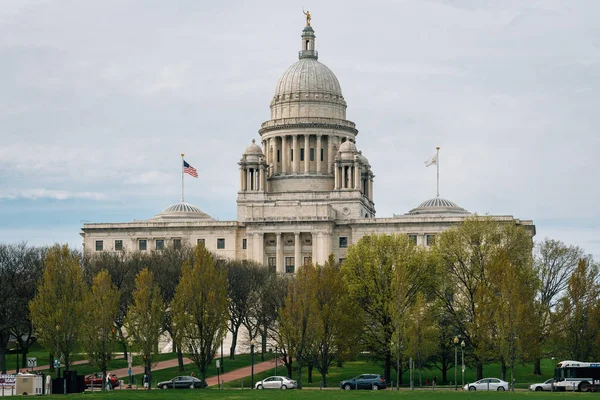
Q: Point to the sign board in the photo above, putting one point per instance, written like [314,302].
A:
[7,380]
[31,362]
[218,363]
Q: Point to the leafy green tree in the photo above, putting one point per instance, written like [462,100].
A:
[199,307]
[383,274]
[57,308]
[554,262]
[145,319]
[98,333]
[575,336]
[465,287]
[335,337]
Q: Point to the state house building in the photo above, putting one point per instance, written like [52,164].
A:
[305,190]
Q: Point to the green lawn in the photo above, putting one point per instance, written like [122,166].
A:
[318,394]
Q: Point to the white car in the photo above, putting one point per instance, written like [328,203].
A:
[487,384]
[276,382]
[538,387]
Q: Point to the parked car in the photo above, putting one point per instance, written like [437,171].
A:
[96,380]
[276,382]
[487,384]
[538,387]
[182,382]
[364,381]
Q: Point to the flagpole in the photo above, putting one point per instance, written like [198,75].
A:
[437,164]
[182,176]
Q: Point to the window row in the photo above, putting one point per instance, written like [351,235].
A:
[159,244]
[311,154]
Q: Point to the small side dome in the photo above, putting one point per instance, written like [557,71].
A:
[438,205]
[253,149]
[181,211]
[363,159]
[347,147]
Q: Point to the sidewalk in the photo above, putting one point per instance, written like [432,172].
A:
[242,372]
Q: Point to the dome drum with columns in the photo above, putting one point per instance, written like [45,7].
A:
[305,190]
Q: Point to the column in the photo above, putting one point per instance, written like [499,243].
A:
[263,179]
[248,179]
[371,188]
[330,155]
[257,179]
[295,162]
[270,156]
[279,254]
[318,150]
[259,255]
[336,176]
[358,174]
[249,246]
[297,244]
[324,247]
[306,152]
[241,179]
[315,247]
[284,154]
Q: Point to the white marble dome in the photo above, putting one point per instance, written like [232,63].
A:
[306,76]
[253,149]
[181,211]
[438,205]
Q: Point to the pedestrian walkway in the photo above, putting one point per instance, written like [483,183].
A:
[241,373]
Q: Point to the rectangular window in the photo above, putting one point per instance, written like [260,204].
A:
[307,260]
[159,244]
[413,239]
[142,245]
[430,240]
[302,154]
[177,244]
[220,244]
[272,263]
[312,154]
[322,154]
[99,245]
[289,265]
[201,241]
[244,243]
[278,156]
[343,242]
[118,245]
[292,155]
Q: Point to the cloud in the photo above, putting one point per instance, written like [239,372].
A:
[40,194]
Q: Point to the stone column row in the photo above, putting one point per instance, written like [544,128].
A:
[253,179]
[292,164]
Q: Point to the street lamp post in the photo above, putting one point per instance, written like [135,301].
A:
[275,360]
[252,357]
[462,353]
[455,361]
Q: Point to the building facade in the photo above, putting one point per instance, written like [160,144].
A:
[304,193]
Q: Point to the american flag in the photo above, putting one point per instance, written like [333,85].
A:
[188,169]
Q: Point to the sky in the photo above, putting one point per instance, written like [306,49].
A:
[98,99]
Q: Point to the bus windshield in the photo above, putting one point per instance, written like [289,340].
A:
[559,374]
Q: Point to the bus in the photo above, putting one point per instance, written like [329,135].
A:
[577,376]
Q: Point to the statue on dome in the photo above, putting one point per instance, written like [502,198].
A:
[307,13]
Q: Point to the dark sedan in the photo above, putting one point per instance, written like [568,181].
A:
[182,382]
[364,381]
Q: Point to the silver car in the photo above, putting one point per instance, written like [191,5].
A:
[545,386]
[487,384]
[276,382]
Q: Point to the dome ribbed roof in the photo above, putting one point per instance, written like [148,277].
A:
[347,147]
[253,148]
[182,211]
[438,205]
[308,76]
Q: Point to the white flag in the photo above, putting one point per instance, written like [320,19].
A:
[432,161]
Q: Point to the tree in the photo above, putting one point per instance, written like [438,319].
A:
[296,323]
[383,274]
[554,262]
[98,333]
[20,269]
[242,286]
[145,319]
[123,268]
[465,253]
[199,307]
[575,336]
[57,308]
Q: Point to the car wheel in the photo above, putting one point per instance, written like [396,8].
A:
[283,387]
[164,386]
[501,388]
[259,387]
[347,386]
[375,387]
[538,389]
[473,388]
[584,386]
